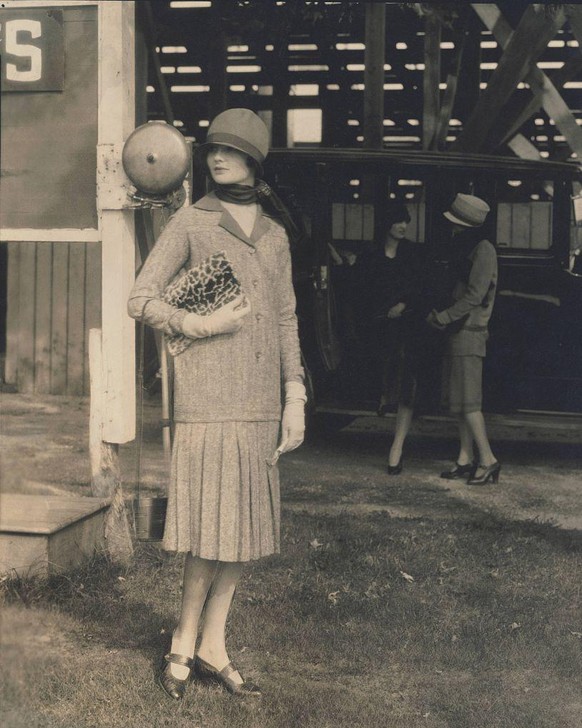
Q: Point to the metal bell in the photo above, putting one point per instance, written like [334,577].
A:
[156,158]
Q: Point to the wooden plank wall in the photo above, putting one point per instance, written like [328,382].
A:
[54,298]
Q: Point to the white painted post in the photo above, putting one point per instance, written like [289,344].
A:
[116,115]
[105,471]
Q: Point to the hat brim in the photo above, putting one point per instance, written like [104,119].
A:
[451,218]
[201,152]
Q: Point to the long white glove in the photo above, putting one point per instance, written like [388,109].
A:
[293,421]
[227,320]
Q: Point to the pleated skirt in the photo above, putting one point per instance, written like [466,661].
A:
[465,390]
[224,498]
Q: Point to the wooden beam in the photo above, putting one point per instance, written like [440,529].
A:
[541,85]
[523,148]
[575,20]
[431,80]
[280,98]
[470,71]
[525,110]
[141,66]
[449,96]
[116,116]
[149,35]
[558,110]
[375,40]
[217,63]
[524,47]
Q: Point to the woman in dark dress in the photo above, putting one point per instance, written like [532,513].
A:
[389,283]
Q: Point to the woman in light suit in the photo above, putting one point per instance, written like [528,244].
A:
[473,295]
[224,500]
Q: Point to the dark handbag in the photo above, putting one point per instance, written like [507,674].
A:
[203,289]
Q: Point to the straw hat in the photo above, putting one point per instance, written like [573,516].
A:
[240,129]
[467,210]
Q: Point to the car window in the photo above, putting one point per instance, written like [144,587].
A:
[524,214]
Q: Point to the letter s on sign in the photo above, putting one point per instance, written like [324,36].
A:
[14,48]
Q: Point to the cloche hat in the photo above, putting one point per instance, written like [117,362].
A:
[396,212]
[467,210]
[240,129]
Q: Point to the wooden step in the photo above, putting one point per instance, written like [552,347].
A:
[44,534]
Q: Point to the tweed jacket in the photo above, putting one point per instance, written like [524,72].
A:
[237,376]
[473,299]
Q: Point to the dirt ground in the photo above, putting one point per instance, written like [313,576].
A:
[44,449]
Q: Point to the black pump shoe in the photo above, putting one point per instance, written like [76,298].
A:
[205,671]
[460,471]
[491,472]
[395,469]
[174,686]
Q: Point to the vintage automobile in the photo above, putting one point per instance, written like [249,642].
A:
[534,361]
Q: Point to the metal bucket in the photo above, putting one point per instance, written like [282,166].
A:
[150,516]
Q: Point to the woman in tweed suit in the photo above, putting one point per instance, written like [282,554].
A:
[224,501]
[473,296]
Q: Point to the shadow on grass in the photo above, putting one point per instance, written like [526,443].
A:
[359,616]
[114,606]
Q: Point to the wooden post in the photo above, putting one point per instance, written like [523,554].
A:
[116,122]
[446,110]
[147,25]
[374,75]
[431,80]
[112,364]
[280,97]
[105,472]
[142,50]
[217,64]
[470,71]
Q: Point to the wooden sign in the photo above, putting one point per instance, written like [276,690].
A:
[49,136]
[32,50]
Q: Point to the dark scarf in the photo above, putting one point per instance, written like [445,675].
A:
[265,196]
[238,194]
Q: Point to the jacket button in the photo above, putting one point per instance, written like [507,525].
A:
[252,251]
[255,283]
[258,355]
[259,316]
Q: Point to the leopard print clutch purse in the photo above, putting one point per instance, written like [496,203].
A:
[202,290]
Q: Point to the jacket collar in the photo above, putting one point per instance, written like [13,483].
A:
[211,203]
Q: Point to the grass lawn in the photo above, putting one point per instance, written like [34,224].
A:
[364,620]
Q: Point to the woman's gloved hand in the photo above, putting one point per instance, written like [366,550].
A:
[396,311]
[227,320]
[432,320]
[293,421]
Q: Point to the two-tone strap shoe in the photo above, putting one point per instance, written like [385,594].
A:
[460,471]
[174,686]
[205,671]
